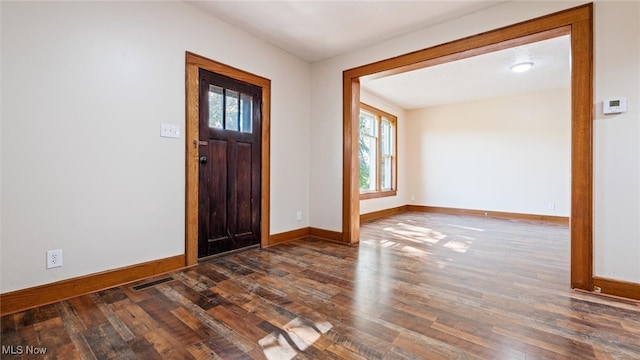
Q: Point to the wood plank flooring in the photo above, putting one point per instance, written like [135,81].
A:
[418,286]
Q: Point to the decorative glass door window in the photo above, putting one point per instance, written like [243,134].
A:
[230,110]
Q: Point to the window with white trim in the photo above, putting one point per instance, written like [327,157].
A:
[377,152]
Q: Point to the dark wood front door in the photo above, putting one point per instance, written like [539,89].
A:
[229,154]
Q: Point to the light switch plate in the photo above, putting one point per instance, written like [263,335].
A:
[170,131]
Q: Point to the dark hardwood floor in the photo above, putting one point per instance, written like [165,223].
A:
[418,286]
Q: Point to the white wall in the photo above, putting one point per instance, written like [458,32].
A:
[371,205]
[85,87]
[617,142]
[510,153]
[617,240]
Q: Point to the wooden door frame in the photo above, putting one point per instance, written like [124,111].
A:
[195,62]
[578,22]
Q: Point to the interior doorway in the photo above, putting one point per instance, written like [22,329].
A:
[577,23]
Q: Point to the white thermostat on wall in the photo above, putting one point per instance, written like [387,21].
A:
[614,106]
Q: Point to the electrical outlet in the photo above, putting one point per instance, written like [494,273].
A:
[54,258]
[299,215]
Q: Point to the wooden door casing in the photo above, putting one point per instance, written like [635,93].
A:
[193,64]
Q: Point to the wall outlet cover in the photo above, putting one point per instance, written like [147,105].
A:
[54,258]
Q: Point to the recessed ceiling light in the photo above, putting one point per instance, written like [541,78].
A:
[521,67]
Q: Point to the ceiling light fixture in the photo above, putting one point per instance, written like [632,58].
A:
[521,67]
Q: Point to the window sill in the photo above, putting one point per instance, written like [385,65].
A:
[377,194]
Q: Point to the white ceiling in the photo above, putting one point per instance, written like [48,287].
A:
[479,77]
[316,30]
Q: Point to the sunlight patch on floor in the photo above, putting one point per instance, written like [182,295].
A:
[323,326]
[416,233]
[387,243]
[415,252]
[416,239]
[466,227]
[303,336]
[277,347]
[458,246]
[443,264]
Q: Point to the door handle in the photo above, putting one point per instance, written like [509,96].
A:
[203,160]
